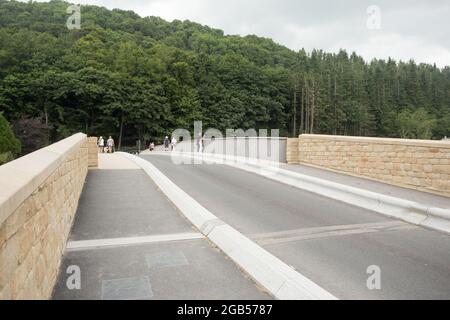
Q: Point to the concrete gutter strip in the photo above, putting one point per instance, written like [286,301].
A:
[274,275]
[23,176]
[406,210]
[83,245]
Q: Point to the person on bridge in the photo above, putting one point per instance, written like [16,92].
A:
[166,143]
[200,143]
[173,143]
[101,144]
[110,144]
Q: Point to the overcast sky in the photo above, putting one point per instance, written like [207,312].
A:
[406,29]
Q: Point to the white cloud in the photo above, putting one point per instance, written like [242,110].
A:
[397,46]
[409,28]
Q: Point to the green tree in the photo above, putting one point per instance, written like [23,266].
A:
[133,77]
[415,125]
[9,144]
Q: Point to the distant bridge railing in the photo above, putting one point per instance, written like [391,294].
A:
[262,148]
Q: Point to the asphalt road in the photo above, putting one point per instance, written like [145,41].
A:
[330,242]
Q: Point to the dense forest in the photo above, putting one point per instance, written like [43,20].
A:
[140,78]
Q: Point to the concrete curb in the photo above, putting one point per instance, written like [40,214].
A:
[406,210]
[274,275]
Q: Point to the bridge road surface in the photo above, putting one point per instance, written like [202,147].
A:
[119,213]
[330,242]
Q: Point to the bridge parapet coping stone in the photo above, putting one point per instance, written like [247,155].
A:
[39,196]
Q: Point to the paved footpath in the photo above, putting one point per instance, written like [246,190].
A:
[130,242]
[332,243]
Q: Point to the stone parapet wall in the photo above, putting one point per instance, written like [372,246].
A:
[39,195]
[93,152]
[418,164]
[292,150]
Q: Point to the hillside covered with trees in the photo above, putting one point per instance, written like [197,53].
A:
[140,78]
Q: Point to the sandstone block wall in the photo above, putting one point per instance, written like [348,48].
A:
[292,150]
[93,152]
[417,164]
[36,214]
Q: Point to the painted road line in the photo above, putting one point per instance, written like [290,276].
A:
[279,279]
[118,242]
[372,225]
[329,231]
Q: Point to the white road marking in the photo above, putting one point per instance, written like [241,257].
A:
[329,231]
[115,242]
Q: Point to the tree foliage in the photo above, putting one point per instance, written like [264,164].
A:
[9,144]
[140,78]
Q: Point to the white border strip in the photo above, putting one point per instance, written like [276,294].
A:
[116,242]
[277,277]
[406,210]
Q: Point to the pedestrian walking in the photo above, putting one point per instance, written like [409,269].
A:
[200,143]
[101,144]
[110,144]
[166,143]
[173,143]
[151,146]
